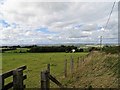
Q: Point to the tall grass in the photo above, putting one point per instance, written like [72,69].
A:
[99,70]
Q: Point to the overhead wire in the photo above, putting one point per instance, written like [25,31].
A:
[110,15]
[101,38]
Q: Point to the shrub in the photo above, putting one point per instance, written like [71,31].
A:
[111,49]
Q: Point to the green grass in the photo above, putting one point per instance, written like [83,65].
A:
[99,70]
[36,62]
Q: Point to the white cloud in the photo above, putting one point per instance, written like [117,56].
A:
[73,22]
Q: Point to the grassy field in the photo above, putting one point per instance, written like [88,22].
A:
[97,69]
[36,62]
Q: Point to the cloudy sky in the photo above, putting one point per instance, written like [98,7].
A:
[34,22]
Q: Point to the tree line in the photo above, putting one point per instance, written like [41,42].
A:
[61,48]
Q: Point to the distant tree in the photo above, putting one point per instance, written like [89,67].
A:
[61,48]
[111,49]
[81,50]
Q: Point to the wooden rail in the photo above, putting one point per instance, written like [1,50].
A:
[55,81]
[18,79]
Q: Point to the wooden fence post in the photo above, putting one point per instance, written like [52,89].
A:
[72,66]
[65,68]
[1,82]
[18,79]
[48,67]
[83,60]
[45,80]
[48,71]
[50,59]
[78,63]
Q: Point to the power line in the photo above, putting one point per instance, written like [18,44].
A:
[109,15]
[101,38]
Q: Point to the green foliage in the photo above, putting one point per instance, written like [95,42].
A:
[94,49]
[62,48]
[111,49]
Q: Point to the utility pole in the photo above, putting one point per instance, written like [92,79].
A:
[100,43]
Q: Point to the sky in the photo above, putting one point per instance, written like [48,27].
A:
[34,22]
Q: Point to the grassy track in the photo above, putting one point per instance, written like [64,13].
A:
[36,62]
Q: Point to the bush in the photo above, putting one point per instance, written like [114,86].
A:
[111,49]
[94,49]
[80,50]
[52,49]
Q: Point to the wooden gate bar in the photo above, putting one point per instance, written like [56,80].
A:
[55,81]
